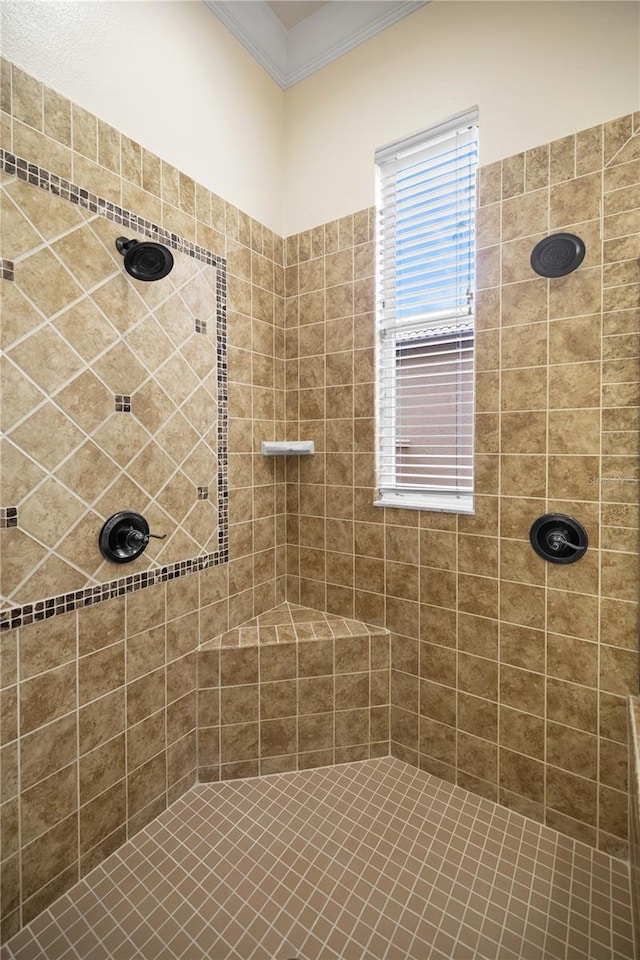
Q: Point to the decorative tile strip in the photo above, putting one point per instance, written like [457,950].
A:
[39,177]
[8,517]
[19,616]
[6,269]
[123,403]
[66,602]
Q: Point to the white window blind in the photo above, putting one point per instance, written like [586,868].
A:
[425,285]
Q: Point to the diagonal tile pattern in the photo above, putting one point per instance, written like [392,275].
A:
[364,861]
[84,333]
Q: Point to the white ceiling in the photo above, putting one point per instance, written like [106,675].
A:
[292,39]
[291,12]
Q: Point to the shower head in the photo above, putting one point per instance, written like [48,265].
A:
[145,261]
[558,255]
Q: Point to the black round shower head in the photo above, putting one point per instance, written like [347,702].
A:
[558,255]
[145,261]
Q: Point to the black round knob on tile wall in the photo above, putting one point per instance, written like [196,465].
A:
[558,538]
[125,536]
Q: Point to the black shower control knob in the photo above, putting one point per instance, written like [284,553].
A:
[125,536]
[135,538]
[558,538]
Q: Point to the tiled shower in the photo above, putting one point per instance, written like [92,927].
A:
[509,675]
[286,629]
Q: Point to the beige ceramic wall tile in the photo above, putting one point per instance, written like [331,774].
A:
[545,441]
[75,336]
[434,589]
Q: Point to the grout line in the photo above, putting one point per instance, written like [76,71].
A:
[600,517]
[499,518]
[77,757]
[545,584]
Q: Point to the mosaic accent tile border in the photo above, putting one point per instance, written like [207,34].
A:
[39,177]
[43,609]
[25,614]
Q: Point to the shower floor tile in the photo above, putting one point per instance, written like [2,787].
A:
[372,860]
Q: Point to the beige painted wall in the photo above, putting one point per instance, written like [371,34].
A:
[538,71]
[171,77]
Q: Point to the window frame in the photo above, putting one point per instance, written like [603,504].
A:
[432,327]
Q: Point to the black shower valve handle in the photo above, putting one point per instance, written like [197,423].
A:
[136,537]
[557,540]
[125,536]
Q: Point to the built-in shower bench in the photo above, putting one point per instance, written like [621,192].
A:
[291,689]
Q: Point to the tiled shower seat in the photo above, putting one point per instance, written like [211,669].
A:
[291,623]
[292,689]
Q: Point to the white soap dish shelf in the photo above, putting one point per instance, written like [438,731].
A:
[287,448]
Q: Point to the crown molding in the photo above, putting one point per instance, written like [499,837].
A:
[256,26]
[289,56]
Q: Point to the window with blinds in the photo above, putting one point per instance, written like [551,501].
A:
[425,313]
